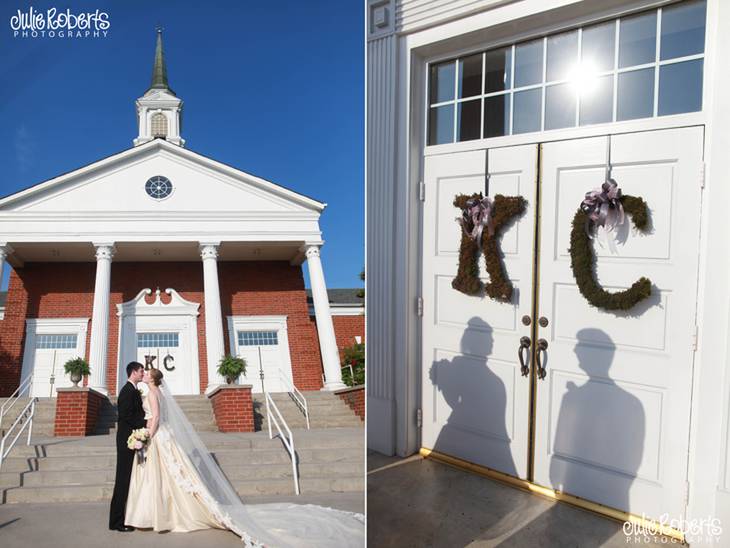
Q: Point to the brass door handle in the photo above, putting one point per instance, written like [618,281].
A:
[525,343]
[542,346]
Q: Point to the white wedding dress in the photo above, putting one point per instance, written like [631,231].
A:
[181,488]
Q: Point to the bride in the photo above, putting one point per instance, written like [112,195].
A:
[178,487]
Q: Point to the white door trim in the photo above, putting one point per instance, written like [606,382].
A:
[183,316]
[268,323]
[52,326]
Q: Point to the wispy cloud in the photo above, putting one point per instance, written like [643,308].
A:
[24,148]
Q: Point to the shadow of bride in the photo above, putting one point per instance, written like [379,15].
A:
[596,451]
[475,429]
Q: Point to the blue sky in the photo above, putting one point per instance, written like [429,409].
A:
[273,89]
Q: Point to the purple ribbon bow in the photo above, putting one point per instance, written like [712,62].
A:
[603,207]
[477,214]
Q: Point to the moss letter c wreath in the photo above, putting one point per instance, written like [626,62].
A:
[467,279]
[582,261]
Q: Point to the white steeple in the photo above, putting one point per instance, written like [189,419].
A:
[159,110]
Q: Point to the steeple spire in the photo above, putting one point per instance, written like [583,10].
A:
[159,110]
[159,71]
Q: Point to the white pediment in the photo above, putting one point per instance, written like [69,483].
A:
[199,184]
[139,306]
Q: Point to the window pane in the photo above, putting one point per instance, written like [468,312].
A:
[470,76]
[527,111]
[596,105]
[635,94]
[528,63]
[258,338]
[559,106]
[499,70]
[637,40]
[496,115]
[442,82]
[680,87]
[562,55]
[470,120]
[441,125]
[683,30]
[598,47]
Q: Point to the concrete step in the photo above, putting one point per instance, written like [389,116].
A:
[242,473]
[307,485]
[60,493]
[103,491]
[82,469]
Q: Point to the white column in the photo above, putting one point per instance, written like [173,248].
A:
[100,318]
[213,317]
[5,250]
[325,328]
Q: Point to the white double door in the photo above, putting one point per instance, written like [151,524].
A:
[609,422]
[167,343]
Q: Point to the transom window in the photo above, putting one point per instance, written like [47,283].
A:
[56,341]
[258,338]
[640,66]
[159,125]
[158,340]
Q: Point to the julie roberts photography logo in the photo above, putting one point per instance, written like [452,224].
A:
[696,531]
[55,23]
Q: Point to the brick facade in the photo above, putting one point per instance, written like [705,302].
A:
[77,410]
[65,290]
[355,398]
[347,328]
[233,408]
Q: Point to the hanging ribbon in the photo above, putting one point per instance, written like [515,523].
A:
[604,211]
[477,214]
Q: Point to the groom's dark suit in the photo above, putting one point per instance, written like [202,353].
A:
[131,417]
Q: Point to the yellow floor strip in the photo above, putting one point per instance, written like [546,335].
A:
[552,494]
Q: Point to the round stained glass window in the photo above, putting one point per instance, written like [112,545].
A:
[158,187]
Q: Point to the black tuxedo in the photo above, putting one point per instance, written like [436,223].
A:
[130,417]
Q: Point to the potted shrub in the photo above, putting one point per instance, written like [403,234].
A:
[353,365]
[231,367]
[76,368]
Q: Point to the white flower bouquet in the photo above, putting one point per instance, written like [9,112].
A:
[137,441]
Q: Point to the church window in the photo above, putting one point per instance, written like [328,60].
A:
[159,125]
[158,187]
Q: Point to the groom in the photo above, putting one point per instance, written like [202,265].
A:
[131,417]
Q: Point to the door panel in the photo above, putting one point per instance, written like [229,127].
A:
[612,414]
[475,402]
[49,363]
[166,347]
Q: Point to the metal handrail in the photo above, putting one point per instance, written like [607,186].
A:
[288,442]
[8,405]
[28,423]
[296,395]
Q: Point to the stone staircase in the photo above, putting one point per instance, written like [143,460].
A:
[197,409]
[331,460]
[43,420]
[326,410]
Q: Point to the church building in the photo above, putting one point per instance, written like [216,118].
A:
[162,255]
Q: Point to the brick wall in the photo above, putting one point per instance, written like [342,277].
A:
[274,288]
[233,408]
[347,328]
[355,398]
[65,290]
[77,410]
[60,290]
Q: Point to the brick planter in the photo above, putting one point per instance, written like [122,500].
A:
[77,410]
[355,398]
[233,407]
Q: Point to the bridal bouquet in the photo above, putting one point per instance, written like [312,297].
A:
[137,441]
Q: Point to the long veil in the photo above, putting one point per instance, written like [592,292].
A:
[278,525]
